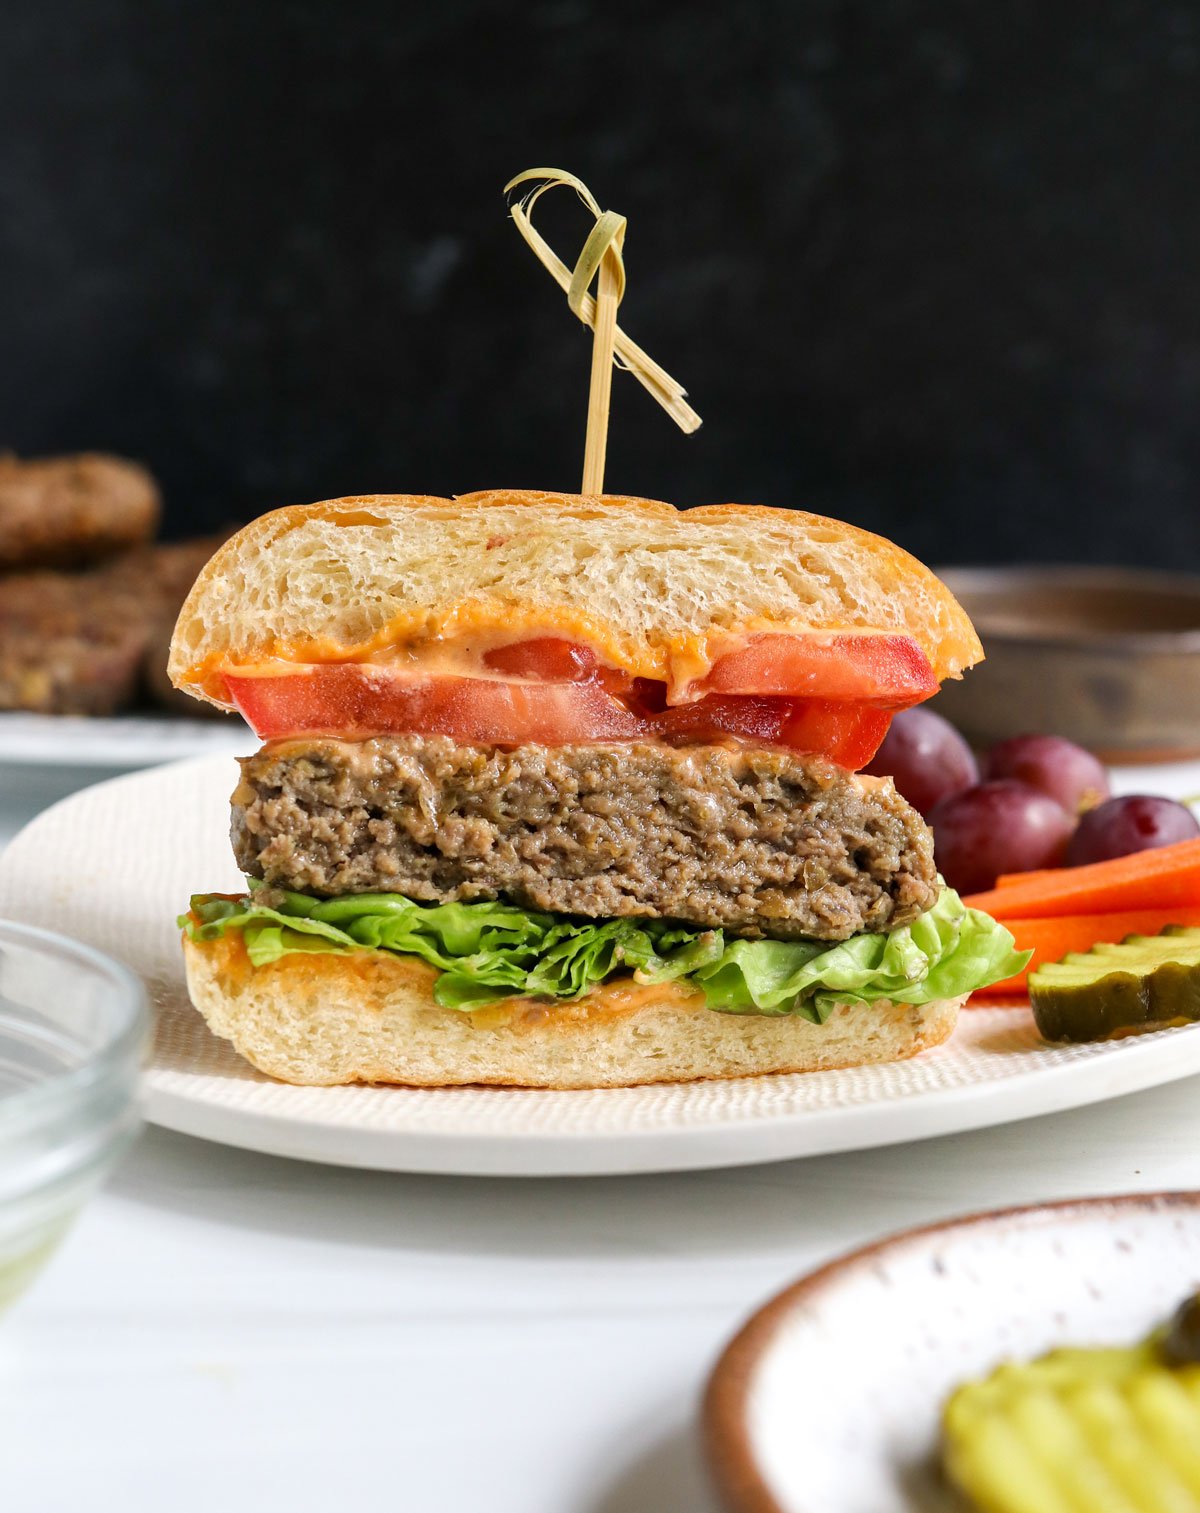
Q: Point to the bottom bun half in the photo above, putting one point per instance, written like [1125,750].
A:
[326,1020]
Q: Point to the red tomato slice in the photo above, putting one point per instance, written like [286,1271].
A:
[849,734]
[889,671]
[353,702]
[548,659]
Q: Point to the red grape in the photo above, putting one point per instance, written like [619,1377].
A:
[1138,823]
[997,827]
[1061,770]
[926,758]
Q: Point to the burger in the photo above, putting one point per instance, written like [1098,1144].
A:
[561,791]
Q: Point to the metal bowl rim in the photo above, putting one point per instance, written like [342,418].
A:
[961,578]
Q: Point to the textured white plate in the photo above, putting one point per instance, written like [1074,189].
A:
[829,1399]
[128,740]
[114,864]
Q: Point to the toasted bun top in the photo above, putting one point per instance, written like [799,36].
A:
[649,586]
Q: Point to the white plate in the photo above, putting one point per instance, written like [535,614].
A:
[114,864]
[127,740]
[829,1399]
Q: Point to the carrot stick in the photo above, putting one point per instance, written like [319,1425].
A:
[1165,879]
[1052,939]
[1011,879]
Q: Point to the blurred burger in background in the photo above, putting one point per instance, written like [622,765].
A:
[87,597]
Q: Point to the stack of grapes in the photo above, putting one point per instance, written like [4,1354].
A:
[1039,802]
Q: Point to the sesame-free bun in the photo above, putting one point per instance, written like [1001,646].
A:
[326,1020]
[650,587]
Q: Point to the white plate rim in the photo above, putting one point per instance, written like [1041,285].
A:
[725,1408]
[141,738]
[1152,1061]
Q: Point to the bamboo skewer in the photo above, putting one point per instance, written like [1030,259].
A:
[602,260]
[604,332]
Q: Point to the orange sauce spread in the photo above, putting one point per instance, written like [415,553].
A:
[451,645]
[606,1001]
[377,971]
[455,645]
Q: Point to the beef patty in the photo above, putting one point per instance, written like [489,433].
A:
[760,842]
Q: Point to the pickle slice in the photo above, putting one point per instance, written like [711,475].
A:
[1078,1431]
[1145,983]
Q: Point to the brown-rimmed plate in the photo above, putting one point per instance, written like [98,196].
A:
[828,1400]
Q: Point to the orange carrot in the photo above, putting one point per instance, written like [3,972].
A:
[1051,939]
[1010,879]
[1166,879]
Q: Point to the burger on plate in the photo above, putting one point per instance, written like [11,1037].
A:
[560,791]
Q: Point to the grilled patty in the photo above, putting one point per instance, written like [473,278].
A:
[83,642]
[760,842]
[73,509]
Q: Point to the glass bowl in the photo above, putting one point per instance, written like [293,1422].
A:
[74,1027]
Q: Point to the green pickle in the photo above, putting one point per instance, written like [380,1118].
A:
[1082,1431]
[1147,982]
[1181,1342]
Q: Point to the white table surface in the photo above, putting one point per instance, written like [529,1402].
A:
[230,1331]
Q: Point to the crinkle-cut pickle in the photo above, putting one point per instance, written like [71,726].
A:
[1145,983]
[1079,1431]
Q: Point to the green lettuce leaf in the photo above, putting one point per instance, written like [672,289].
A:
[486,951]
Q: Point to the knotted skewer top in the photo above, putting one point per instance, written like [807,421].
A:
[601,260]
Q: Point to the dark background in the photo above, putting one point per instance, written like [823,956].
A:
[931,266]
